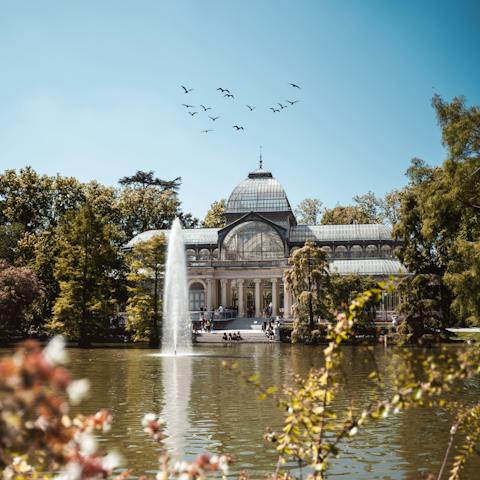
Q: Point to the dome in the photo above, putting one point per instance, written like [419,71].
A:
[260,192]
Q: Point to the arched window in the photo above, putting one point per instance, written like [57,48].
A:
[196,296]
[327,250]
[371,251]
[253,241]
[386,251]
[191,255]
[215,254]
[356,251]
[340,252]
[204,254]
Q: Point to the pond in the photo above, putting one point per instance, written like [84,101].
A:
[209,409]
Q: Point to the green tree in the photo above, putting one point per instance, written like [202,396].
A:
[371,205]
[143,179]
[440,213]
[144,307]
[215,216]
[345,215]
[85,269]
[19,292]
[391,203]
[309,211]
[308,279]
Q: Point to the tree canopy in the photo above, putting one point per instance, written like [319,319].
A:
[215,216]
[309,211]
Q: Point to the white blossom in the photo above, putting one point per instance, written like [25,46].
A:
[147,418]
[112,460]
[55,352]
[87,443]
[73,471]
[78,390]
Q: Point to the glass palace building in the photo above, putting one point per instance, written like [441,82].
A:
[241,265]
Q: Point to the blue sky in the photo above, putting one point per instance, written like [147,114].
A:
[91,89]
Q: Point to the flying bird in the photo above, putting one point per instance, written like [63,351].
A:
[293,102]
[237,127]
[213,118]
[220,89]
[205,108]
[192,113]
[188,106]
[206,131]
[294,85]
[274,110]
[251,108]
[186,90]
[229,95]
[282,106]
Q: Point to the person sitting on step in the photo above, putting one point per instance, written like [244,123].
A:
[225,336]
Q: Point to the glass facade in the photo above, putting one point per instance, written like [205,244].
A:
[258,195]
[252,241]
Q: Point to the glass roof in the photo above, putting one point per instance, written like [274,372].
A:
[260,192]
[192,236]
[339,233]
[367,267]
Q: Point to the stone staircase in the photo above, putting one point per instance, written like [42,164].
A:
[250,330]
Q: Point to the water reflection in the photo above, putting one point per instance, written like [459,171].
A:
[208,409]
[176,382]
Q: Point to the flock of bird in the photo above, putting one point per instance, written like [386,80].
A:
[229,95]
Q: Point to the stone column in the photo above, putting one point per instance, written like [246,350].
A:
[223,298]
[209,293]
[241,299]
[274,297]
[258,308]
[286,301]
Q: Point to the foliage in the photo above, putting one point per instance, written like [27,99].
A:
[421,307]
[146,264]
[34,209]
[345,215]
[344,288]
[85,270]
[142,179]
[371,205]
[38,434]
[309,211]
[308,279]
[19,292]
[315,429]
[440,213]
[215,215]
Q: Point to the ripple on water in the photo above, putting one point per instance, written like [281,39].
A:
[206,407]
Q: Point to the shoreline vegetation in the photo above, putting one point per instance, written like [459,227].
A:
[39,435]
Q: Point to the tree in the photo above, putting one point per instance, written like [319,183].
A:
[391,206]
[147,208]
[309,211]
[143,179]
[215,216]
[85,269]
[308,279]
[144,307]
[19,290]
[345,215]
[371,205]
[344,288]
[440,213]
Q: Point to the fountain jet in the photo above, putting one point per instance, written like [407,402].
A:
[177,331]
